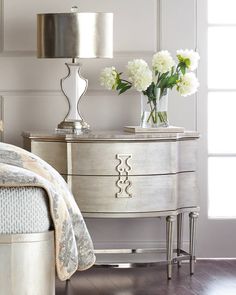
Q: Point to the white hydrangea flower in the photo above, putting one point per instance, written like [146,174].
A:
[139,74]
[108,78]
[192,55]
[188,84]
[162,62]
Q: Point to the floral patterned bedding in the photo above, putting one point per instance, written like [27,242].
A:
[73,245]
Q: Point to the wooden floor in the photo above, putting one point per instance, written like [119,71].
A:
[210,278]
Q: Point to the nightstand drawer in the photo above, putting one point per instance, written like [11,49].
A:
[138,158]
[54,153]
[137,194]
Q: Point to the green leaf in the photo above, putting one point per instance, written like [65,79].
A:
[187,62]
[180,58]
[155,91]
[172,80]
[125,88]
[145,92]
[121,85]
[183,60]
[163,76]
[183,68]
[162,84]
[150,90]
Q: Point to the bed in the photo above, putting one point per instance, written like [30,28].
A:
[40,226]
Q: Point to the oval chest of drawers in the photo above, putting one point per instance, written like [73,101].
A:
[119,174]
[122,175]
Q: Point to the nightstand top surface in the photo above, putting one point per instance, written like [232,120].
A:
[110,135]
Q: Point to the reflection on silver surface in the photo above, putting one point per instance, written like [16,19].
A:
[71,35]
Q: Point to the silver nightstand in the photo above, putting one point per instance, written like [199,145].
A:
[123,175]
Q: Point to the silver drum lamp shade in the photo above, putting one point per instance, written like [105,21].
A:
[74,35]
[71,35]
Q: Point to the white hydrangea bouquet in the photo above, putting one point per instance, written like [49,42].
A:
[154,84]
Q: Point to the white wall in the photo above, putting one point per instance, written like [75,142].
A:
[30,87]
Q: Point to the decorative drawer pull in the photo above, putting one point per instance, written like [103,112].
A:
[123,167]
[123,183]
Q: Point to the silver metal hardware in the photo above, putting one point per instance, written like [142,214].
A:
[73,86]
[123,183]
[179,235]
[169,243]
[183,256]
[193,216]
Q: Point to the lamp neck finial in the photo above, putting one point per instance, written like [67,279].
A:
[74,9]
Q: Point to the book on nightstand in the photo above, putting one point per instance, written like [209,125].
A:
[139,129]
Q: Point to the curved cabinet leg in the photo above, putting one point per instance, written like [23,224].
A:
[169,243]
[179,235]
[192,237]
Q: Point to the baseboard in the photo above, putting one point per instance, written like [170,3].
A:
[216,258]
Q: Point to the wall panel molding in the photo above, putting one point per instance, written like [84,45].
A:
[116,54]
[30,88]
[25,66]
[177,32]
[2,116]
[58,93]
[16,24]
[1,26]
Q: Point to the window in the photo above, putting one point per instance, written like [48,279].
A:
[222,108]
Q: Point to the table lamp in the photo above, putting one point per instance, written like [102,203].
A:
[74,35]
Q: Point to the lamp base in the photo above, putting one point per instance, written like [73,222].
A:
[73,126]
[73,86]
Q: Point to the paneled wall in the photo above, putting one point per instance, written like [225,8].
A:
[30,86]
[30,90]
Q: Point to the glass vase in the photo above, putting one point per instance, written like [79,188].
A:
[154,112]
